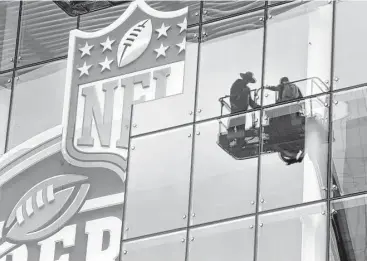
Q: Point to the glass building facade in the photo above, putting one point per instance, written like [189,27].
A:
[283,180]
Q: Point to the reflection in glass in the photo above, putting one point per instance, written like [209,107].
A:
[295,149]
[218,9]
[350,45]
[176,108]
[5,91]
[158,182]
[230,60]
[44,32]
[299,47]
[225,168]
[37,101]
[9,12]
[348,229]
[349,149]
[296,234]
[100,19]
[232,240]
[159,248]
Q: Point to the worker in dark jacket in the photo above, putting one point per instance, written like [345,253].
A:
[240,93]
[240,99]
[286,90]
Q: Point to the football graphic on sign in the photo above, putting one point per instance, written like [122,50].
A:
[134,42]
[37,214]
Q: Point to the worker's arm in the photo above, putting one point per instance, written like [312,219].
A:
[273,88]
[253,104]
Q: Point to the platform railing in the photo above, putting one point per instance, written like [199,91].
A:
[316,83]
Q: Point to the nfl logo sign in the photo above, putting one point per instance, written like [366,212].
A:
[63,191]
[138,58]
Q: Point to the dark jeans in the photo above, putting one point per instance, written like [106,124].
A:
[240,128]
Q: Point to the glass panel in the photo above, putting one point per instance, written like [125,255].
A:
[294,163]
[158,196]
[101,19]
[5,92]
[348,236]
[38,101]
[44,32]
[240,41]
[218,9]
[9,12]
[350,45]
[170,247]
[350,143]
[226,241]
[298,48]
[176,108]
[225,168]
[296,234]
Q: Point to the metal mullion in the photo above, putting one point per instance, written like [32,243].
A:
[6,71]
[124,207]
[189,215]
[233,15]
[13,76]
[41,62]
[330,135]
[78,22]
[265,17]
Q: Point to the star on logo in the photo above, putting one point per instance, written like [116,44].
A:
[183,25]
[107,44]
[163,30]
[106,64]
[161,51]
[181,45]
[86,49]
[84,69]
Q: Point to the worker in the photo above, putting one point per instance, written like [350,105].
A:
[240,100]
[286,90]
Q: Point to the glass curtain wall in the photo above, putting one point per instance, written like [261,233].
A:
[267,159]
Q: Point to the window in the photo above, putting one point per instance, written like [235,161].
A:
[9,12]
[100,19]
[38,101]
[166,247]
[232,240]
[225,168]
[348,229]
[349,147]
[44,32]
[231,48]
[158,189]
[177,107]
[220,9]
[298,47]
[295,151]
[350,51]
[293,234]
[5,93]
